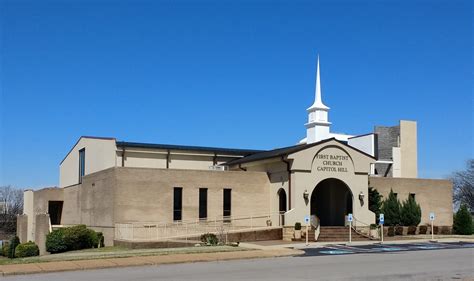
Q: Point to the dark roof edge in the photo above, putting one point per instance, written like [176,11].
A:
[84,137]
[358,136]
[232,151]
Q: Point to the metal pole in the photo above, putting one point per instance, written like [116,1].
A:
[432,232]
[307,235]
[350,232]
[381,233]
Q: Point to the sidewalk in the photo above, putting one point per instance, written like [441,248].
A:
[55,266]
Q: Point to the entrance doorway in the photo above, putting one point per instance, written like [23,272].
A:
[331,201]
[282,204]
[55,209]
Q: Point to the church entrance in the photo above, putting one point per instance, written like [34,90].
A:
[331,201]
[282,204]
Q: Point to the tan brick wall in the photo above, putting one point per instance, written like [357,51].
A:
[432,195]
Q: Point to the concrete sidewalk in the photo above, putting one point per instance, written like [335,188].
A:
[55,266]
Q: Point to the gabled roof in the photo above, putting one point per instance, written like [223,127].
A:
[220,150]
[286,151]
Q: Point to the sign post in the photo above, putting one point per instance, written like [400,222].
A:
[432,218]
[381,222]
[349,219]
[306,220]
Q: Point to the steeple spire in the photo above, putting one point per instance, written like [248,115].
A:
[318,102]
[318,124]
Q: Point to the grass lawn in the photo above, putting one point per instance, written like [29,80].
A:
[118,252]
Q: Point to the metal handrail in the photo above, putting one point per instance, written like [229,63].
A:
[354,227]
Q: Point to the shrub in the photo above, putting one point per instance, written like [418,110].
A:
[435,230]
[410,213]
[13,243]
[79,237]
[297,226]
[373,226]
[423,229]
[55,241]
[463,221]
[391,231]
[100,238]
[5,249]
[411,230]
[28,249]
[399,230]
[445,230]
[391,210]
[210,239]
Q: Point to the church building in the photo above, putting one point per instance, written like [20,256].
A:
[149,192]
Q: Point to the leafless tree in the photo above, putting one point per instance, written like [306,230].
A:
[11,205]
[463,186]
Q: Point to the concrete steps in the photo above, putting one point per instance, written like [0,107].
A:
[337,234]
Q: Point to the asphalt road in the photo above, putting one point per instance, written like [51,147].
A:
[436,264]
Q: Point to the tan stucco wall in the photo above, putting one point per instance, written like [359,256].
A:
[408,149]
[432,195]
[100,154]
[146,195]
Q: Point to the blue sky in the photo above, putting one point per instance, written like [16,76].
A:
[229,74]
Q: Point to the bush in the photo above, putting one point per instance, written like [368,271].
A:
[445,230]
[28,249]
[79,237]
[423,229]
[399,230]
[391,210]
[391,231]
[373,226]
[435,230]
[411,230]
[209,239]
[410,213]
[463,221]
[5,249]
[298,226]
[100,238]
[55,241]
[13,243]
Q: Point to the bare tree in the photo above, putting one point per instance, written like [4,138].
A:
[11,205]
[463,186]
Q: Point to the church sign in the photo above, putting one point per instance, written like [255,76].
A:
[332,161]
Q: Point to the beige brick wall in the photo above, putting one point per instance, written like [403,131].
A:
[432,195]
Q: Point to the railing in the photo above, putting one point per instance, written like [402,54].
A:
[362,228]
[155,231]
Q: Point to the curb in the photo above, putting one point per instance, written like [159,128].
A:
[61,266]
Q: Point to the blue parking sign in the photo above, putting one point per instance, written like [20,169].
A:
[349,217]
[381,219]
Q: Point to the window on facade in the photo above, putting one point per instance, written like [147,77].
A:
[82,163]
[227,202]
[177,203]
[412,196]
[55,209]
[202,203]
[395,194]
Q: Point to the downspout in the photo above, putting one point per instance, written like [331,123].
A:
[289,180]
[123,156]
[168,160]
[214,159]
[240,167]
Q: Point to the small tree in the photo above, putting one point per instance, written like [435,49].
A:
[463,221]
[391,210]
[15,241]
[375,202]
[410,214]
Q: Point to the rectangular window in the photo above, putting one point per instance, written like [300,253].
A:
[82,163]
[227,202]
[412,196]
[395,194]
[202,203]
[177,203]
[55,210]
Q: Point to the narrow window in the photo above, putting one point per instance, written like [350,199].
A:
[227,202]
[396,195]
[412,196]
[202,203]
[177,203]
[82,163]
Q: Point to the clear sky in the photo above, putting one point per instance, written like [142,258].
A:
[236,74]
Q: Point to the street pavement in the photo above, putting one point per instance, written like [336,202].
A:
[451,262]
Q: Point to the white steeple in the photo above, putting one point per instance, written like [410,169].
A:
[318,125]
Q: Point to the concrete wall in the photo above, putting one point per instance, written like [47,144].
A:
[408,149]
[146,195]
[432,195]
[22,228]
[100,154]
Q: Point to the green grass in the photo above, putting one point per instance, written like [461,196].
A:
[117,252]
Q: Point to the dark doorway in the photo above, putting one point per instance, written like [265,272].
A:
[282,204]
[331,201]
[55,209]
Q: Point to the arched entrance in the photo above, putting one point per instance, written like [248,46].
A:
[331,201]
[282,204]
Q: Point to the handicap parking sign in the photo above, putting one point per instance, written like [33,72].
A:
[381,219]
[306,219]
[349,217]
[432,216]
